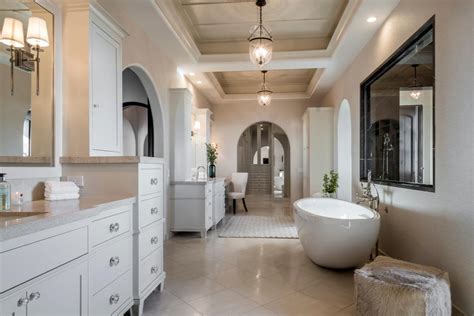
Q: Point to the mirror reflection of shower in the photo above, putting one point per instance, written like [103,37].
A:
[387,148]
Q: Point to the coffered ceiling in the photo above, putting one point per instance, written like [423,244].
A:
[280,81]
[222,26]
[314,41]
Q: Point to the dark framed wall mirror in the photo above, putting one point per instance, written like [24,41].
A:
[397,116]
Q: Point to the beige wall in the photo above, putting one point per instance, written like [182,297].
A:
[429,228]
[232,118]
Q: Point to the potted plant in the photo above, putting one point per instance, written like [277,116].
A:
[330,184]
[211,159]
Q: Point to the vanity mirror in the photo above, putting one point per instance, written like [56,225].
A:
[26,83]
[397,116]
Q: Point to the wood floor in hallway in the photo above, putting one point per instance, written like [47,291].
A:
[248,276]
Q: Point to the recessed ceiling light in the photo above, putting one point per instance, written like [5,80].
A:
[371,19]
[192,74]
[199,82]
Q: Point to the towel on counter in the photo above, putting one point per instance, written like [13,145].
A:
[57,190]
[61,196]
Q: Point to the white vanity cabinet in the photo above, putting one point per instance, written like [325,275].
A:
[196,206]
[92,47]
[83,267]
[218,210]
[143,177]
[63,292]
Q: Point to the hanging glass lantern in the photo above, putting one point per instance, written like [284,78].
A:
[260,41]
[264,96]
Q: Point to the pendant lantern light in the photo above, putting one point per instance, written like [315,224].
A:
[260,40]
[264,96]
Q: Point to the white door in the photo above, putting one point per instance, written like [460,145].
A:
[106,122]
[61,294]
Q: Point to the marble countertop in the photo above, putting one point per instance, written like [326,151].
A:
[54,213]
[197,182]
[110,160]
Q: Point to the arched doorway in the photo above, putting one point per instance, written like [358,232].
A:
[263,151]
[344,152]
[143,129]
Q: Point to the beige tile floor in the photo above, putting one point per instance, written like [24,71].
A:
[248,276]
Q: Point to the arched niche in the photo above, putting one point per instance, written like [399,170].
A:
[132,94]
[344,151]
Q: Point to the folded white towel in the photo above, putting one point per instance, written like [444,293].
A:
[63,196]
[61,190]
[58,187]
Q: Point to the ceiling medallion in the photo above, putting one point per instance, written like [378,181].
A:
[260,41]
[264,96]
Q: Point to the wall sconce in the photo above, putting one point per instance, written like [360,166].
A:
[196,128]
[36,37]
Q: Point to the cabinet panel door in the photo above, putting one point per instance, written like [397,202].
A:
[105,81]
[12,305]
[61,294]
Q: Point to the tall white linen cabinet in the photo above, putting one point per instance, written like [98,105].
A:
[318,126]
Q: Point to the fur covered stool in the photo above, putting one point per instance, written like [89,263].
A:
[391,287]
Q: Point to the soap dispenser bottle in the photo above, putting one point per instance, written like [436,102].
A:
[5,193]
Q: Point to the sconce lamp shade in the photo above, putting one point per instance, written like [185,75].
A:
[12,33]
[37,32]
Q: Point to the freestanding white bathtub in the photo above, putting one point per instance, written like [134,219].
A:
[334,233]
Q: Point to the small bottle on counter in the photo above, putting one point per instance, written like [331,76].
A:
[5,193]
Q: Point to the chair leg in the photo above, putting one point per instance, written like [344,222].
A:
[245,205]
[234,205]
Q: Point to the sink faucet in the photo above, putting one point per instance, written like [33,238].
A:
[367,195]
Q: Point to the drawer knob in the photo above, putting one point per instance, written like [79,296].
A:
[114,227]
[154,240]
[154,181]
[154,269]
[114,261]
[154,210]
[114,299]
[34,296]
[23,301]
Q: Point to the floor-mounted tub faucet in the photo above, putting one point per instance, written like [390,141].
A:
[367,195]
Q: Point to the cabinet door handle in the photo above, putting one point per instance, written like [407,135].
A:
[154,270]
[23,301]
[114,299]
[154,210]
[96,106]
[34,296]
[114,261]
[153,181]
[154,240]
[114,227]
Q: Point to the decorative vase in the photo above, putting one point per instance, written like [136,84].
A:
[212,170]
[331,195]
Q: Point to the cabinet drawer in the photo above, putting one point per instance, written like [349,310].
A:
[151,210]
[110,261]
[26,262]
[151,238]
[150,268]
[108,300]
[151,181]
[109,227]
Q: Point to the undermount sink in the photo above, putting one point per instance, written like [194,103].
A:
[20,214]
